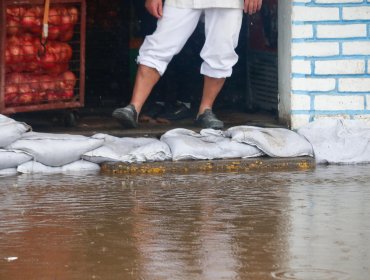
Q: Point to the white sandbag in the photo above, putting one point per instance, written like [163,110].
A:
[80,166]
[339,141]
[209,144]
[55,149]
[128,150]
[8,172]
[11,159]
[275,142]
[11,130]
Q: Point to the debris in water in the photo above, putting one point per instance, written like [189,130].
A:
[11,259]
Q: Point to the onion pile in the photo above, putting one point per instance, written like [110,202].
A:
[29,20]
[37,73]
[25,54]
[21,89]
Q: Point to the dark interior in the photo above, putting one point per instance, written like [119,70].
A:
[115,30]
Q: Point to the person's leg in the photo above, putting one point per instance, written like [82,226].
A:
[211,89]
[222,28]
[146,78]
[173,30]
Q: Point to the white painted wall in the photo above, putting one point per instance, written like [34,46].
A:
[284,60]
[324,60]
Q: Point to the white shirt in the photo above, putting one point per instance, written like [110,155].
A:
[202,4]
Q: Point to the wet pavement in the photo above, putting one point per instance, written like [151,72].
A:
[100,121]
[312,224]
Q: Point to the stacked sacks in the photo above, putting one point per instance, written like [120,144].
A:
[332,141]
[10,131]
[274,142]
[12,158]
[32,167]
[53,153]
[24,151]
[29,152]
[55,150]
[339,141]
[236,142]
[128,150]
[209,144]
[8,172]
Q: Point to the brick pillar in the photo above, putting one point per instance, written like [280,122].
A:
[330,52]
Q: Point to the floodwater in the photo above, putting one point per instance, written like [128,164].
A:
[279,225]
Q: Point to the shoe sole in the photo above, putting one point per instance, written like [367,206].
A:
[213,126]
[216,126]
[124,119]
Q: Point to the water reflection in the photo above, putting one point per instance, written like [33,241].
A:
[330,224]
[300,225]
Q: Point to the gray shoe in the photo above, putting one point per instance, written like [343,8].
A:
[127,116]
[209,120]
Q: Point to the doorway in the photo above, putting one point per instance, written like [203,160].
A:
[262,59]
[250,96]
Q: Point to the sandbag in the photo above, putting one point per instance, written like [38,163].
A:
[339,141]
[275,142]
[128,150]
[55,149]
[8,172]
[80,166]
[209,144]
[11,130]
[11,159]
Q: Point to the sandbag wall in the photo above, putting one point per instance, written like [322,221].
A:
[37,74]
[330,141]
[24,151]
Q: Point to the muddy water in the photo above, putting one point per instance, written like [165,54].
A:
[300,225]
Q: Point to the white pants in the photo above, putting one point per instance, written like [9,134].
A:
[222,28]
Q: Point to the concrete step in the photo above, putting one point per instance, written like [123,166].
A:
[264,164]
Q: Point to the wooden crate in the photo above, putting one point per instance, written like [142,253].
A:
[77,62]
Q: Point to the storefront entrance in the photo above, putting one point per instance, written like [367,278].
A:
[115,34]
